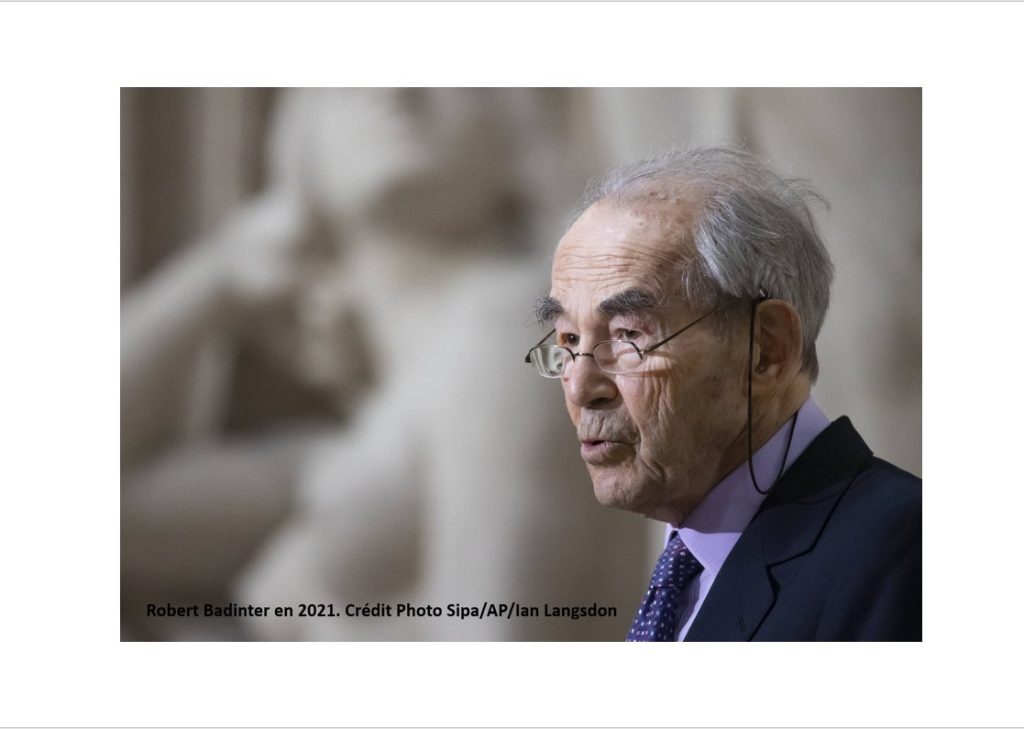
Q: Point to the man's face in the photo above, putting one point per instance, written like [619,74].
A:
[657,440]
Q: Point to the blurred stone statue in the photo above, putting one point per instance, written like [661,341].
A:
[448,487]
[385,265]
[205,476]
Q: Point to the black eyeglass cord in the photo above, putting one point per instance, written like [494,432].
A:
[750,411]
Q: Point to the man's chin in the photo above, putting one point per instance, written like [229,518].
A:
[611,489]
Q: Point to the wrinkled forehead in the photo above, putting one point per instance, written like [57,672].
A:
[614,247]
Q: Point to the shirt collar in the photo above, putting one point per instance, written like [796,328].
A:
[712,529]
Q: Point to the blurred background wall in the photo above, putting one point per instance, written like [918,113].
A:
[326,297]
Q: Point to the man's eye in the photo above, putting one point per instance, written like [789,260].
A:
[569,340]
[629,335]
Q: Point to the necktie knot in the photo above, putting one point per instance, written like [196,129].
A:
[676,566]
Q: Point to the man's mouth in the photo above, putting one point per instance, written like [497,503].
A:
[599,452]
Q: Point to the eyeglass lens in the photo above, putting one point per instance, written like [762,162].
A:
[614,357]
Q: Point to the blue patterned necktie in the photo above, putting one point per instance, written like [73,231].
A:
[659,614]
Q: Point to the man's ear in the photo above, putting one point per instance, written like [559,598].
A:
[778,340]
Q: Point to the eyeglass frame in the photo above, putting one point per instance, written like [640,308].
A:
[640,352]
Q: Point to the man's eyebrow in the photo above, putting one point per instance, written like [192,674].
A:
[547,309]
[629,301]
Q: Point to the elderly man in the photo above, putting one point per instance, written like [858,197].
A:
[685,301]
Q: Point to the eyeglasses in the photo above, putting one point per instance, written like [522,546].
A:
[615,356]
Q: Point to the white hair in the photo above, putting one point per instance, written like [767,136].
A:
[752,231]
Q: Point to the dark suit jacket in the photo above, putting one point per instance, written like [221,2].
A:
[834,553]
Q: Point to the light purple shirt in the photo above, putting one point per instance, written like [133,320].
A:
[713,528]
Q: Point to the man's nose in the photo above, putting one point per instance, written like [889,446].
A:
[587,385]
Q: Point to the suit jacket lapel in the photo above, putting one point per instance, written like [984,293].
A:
[741,595]
[787,525]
